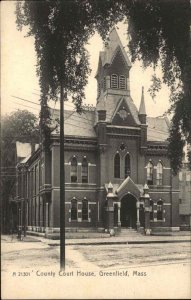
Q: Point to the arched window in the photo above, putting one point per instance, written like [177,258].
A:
[74,210]
[74,170]
[114,81]
[84,210]
[160,210]
[127,165]
[84,171]
[159,173]
[122,82]
[150,173]
[117,166]
[151,210]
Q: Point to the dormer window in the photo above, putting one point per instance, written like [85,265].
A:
[114,81]
[122,83]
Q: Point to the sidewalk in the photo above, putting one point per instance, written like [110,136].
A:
[125,240]
[107,240]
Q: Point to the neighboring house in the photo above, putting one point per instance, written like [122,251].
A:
[117,172]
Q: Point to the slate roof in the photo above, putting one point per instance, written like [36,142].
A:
[75,124]
[158,129]
[111,50]
[82,125]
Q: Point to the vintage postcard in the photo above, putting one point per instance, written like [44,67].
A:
[96,212]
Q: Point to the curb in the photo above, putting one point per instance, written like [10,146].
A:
[120,243]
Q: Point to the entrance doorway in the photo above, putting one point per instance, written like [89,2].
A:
[128,211]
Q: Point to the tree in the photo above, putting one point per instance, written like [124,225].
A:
[21,126]
[61,30]
[158,31]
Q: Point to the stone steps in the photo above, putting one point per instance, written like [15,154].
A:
[128,232]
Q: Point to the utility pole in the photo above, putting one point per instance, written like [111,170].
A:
[62,183]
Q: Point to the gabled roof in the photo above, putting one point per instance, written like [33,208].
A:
[112,47]
[128,186]
[110,51]
[127,101]
[112,103]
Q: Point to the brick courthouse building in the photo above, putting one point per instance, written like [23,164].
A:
[116,168]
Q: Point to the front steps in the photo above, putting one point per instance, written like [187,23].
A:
[128,232]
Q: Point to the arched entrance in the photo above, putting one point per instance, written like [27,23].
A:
[128,212]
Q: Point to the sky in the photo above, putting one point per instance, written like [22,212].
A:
[18,71]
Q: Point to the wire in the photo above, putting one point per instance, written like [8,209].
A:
[88,121]
[25,100]
[27,106]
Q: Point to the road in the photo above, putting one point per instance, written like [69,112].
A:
[30,270]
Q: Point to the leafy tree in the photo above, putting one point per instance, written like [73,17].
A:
[21,126]
[159,34]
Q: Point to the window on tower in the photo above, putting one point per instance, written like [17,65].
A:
[114,81]
[122,82]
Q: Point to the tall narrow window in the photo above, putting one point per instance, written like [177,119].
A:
[74,210]
[84,171]
[117,166]
[159,173]
[84,210]
[160,210]
[150,173]
[127,165]
[122,83]
[151,210]
[74,170]
[114,81]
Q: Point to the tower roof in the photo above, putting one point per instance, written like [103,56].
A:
[142,110]
[110,50]
[113,44]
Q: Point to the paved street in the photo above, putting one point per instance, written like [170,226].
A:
[32,266]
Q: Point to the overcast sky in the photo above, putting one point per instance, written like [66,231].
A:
[18,77]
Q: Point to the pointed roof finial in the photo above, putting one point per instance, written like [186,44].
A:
[110,186]
[142,110]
